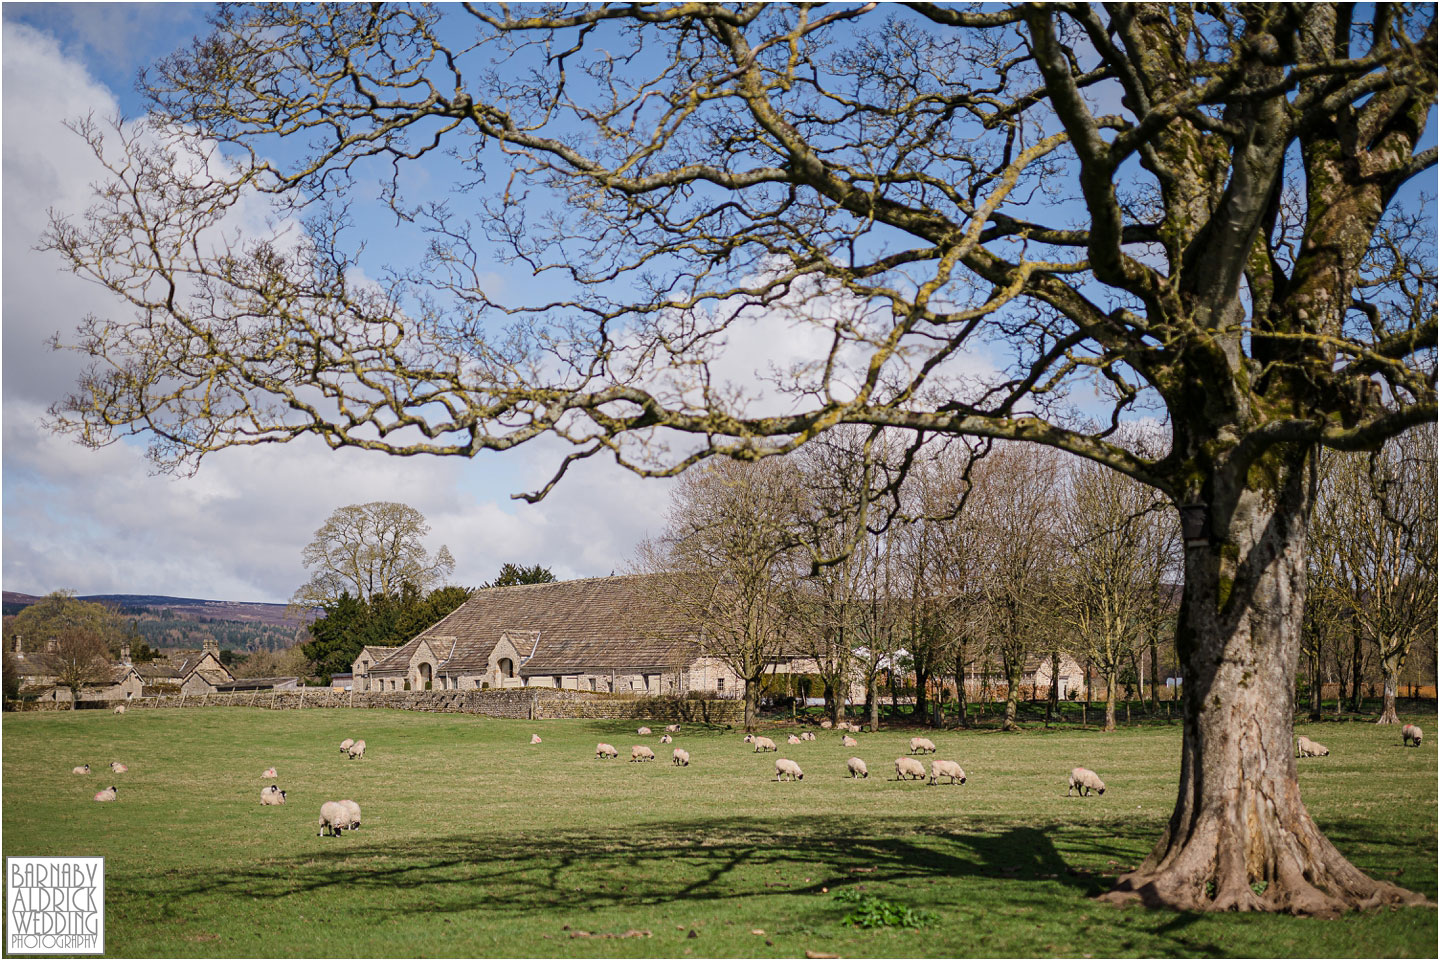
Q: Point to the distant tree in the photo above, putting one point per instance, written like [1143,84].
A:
[289,662]
[513,574]
[10,677]
[350,623]
[369,550]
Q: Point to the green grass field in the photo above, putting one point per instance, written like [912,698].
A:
[477,843]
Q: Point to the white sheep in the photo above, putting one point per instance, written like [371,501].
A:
[922,745]
[603,750]
[269,772]
[108,794]
[534,739]
[642,731]
[786,767]
[120,709]
[680,757]
[357,750]
[749,738]
[666,739]
[334,818]
[792,739]
[345,745]
[1411,734]
[672,729]
[1083,781]
[857,767]
[640,752]
[1308,748]
[826,725]
[950,769]
[82,769]
[808,736]
[272,795]
[354,810]
[764,744]
[849,741]
[909,767]
[118,768]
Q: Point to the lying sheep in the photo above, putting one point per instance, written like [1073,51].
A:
[641,753]
[534,739]
[680,757]
[334,818]
[272,795]
[106,795]
[922,745]
[118,768]
[1084,780]
[120,709]
[672,729]
[345,745]
[1411,735]
[764,744]
[603,750]
[357,750]
[354,811]
[785,767]
[857,768]
[849,741]
[808,736]
[269,772]
[826,725]
[666,739]
[1308,748]
[643,731]
[82,769]
[792,739]
[950,769]
[909,767]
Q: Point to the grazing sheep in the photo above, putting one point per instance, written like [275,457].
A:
[666,739]
[909,767]
[272,795]
[345,745]
[120,709]
[1308,748]
[1084,780]
[950,769]
[118,768]
[764,744]
[922,745]
[672,729]
[357,750]
[792,739]
[534,739]
[1411,734]
[857,767]
[641,753]
[826,725]
[106,795]
[643,731]
[606,750]
[749,738]
[680,757]
[849,741]
[269,772]
[785,766]
[334,818]
[354,811]
[82,769]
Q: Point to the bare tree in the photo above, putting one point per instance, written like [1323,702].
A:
[865,172]
[369,550]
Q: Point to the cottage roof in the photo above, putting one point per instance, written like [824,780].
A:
[399,661]
[253,683]
[156,670]
[377,653]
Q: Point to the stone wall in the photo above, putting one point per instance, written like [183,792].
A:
[525,703]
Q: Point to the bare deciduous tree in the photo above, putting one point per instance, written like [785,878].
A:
[369,550]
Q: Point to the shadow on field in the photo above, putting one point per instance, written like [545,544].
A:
[696,860]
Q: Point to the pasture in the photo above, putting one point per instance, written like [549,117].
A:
[477,843]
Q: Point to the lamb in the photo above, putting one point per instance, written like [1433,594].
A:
[1411,734]
[641,753]
[680,757]
[603,750]
[1308,748]
[643,731]
[792,739]
[269,772]
[950,769]
[534,739]
[826,725]
[909,767]
[334,818]
[118,768]
[849,741]
[354,810]
[808,736]
[922,745]
[120,709]
[345,745]
[1084,780]
[857,768]
[764,744]
[666,739]
[106,795]
[357,750]
[272,795]
[82,769]
[672,729]
[785,766]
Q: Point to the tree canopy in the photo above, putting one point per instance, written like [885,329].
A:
[370,550]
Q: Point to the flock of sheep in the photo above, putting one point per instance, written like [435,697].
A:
[335,816]
[1410,736]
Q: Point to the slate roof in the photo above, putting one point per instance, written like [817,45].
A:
[399,662]
[157,670]
[377,654]
[253,683]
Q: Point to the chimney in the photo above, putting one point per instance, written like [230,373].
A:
[212,647]
[125,652]
[50,645]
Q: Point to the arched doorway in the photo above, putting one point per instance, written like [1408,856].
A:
[425,677]
[506,666]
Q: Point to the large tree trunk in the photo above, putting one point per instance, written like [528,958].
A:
[752,703]
[1391,668]
[1239,823]
[1013,669]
